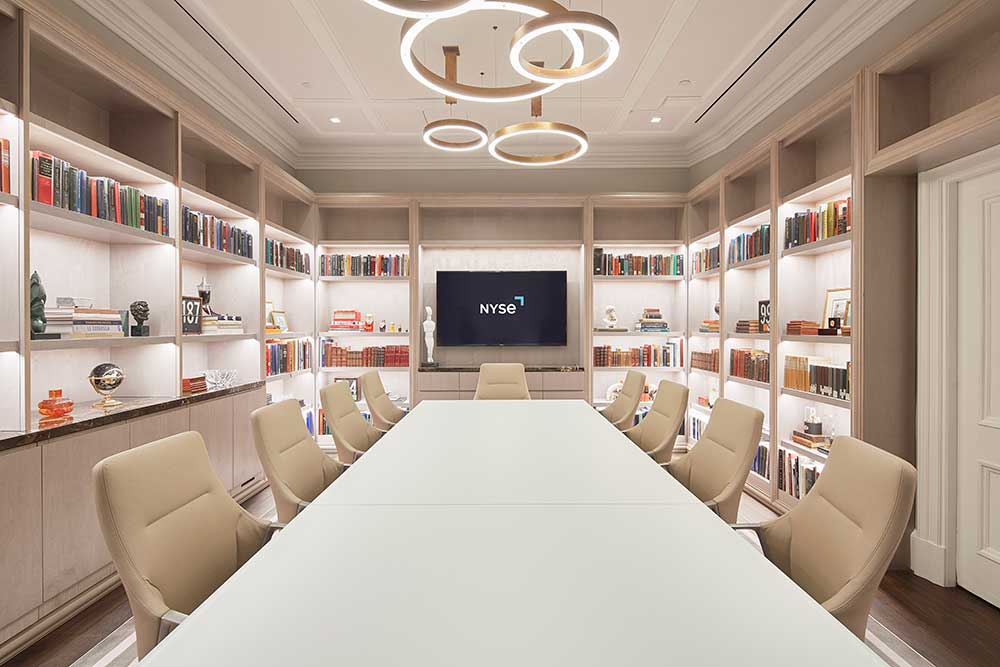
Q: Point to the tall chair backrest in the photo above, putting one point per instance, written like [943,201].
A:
[352,435]
[621,412]
[716,469]
[658,430]
[502,382]
[173,531]
[296,467]
[385,413]
[839,540]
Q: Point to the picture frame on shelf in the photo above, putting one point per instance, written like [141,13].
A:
[838,304]
[191,315]
[279,319]
[268,312]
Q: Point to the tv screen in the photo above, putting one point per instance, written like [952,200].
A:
[501,308]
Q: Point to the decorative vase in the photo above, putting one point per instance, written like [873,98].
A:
[106,379]
[55,405]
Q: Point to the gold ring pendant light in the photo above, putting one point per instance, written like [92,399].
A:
[422,9]
[543,127]
[568,20]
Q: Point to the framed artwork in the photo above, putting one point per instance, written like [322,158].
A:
[764,315]
[268,312]
[191,315]
[352,383]
[838,304]
[279,319]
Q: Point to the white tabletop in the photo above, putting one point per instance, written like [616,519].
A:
[502,586]
[504,452]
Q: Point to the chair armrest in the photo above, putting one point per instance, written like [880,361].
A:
[712,505]
[302,504]
[273,528]
[169,621]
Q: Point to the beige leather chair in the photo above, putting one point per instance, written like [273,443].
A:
[173,531]
[352,435]
[658,430]
[621,412]
[296,467]
[839,540]
[716,469]
[502,382]
[385,413]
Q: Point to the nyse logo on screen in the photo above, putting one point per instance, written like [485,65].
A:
[501,308]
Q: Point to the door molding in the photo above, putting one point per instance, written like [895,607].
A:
[934,541]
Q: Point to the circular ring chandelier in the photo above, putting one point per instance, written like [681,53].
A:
[534,128]
[452,124]
[564,21]
[535,8]
[422,9]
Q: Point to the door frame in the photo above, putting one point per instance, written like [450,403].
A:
[934,540]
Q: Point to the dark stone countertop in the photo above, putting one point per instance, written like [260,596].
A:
[86,417]
[475,369]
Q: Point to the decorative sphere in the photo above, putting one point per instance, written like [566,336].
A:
[106,377]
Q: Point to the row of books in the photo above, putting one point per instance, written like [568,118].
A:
[750,327]
[652,321]
[697,424]
[286,356]
[706,361]
[795,477]
[709,326]
[4,165]
[818,376]
[810,328]
[284,256]
[832,219]
[365,266]
[212,232]
[221,324]
[332,355]
[76,322]
[324,425]
[705,260]
[761,460]
[58,183]
[750,364]
[666,355]
[606,264]
[750,245]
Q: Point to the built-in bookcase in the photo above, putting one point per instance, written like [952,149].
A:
[11,264]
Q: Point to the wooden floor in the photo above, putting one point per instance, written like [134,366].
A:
[948,626]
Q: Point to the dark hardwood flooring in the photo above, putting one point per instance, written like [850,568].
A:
[948,626]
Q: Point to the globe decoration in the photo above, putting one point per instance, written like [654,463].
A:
[105,379]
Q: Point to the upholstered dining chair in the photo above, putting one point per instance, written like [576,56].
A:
[173,530]
[297,469]
[352,435]
[837,543]
[716,469]
[658,430]
[621,412]
[502,382]
[385,413]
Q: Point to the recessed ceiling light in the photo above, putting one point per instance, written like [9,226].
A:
[684,82]
[335,120]
[307,84]
[655,119]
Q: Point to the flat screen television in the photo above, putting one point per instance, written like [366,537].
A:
[501,308]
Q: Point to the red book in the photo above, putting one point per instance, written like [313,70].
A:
[93,196]
[118,199]
[43,177]
[5,165]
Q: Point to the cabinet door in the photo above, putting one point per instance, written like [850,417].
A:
[72,543]
[214,420]
[246,463]
[21,528]
[155,427]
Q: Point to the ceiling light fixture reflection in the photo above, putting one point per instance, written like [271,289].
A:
[455,124]
[422,9]
[565,21]
[412,28]
[538,127]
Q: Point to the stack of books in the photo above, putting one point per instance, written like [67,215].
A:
[845,330]
[195,385]
[212,232]
[802,328]
[748,326]
[709,326]
[652,321]
[809,440]
[221,324]
[345,320]
[58,183]
[97,323]
[706,361]
[365,266]
[832,219]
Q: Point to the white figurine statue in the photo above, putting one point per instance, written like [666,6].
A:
[610,317]
[429,327]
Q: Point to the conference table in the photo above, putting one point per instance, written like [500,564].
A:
[508,533]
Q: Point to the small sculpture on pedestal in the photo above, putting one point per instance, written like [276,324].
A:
[429,327]
[105,379]
[610,317]
[38,319]
[140,311]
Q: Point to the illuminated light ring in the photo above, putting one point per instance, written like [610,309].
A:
[422,9]
[482,136]
[535,8]
[566,21]
[539,127]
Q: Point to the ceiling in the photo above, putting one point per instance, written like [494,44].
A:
[323,59]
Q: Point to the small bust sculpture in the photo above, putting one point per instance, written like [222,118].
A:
[38,298]
[140,311]
[610,317]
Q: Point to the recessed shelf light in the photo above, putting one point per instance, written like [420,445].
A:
[656,119]
[335,120]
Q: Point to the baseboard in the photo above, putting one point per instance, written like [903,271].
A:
[930,561]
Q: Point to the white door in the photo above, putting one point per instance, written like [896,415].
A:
[979,386]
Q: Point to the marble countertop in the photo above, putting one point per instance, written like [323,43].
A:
[84,417]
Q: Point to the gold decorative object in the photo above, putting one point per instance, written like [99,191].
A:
[422,9]
[539,127]
[565,21]
[106,379]
[481,135]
